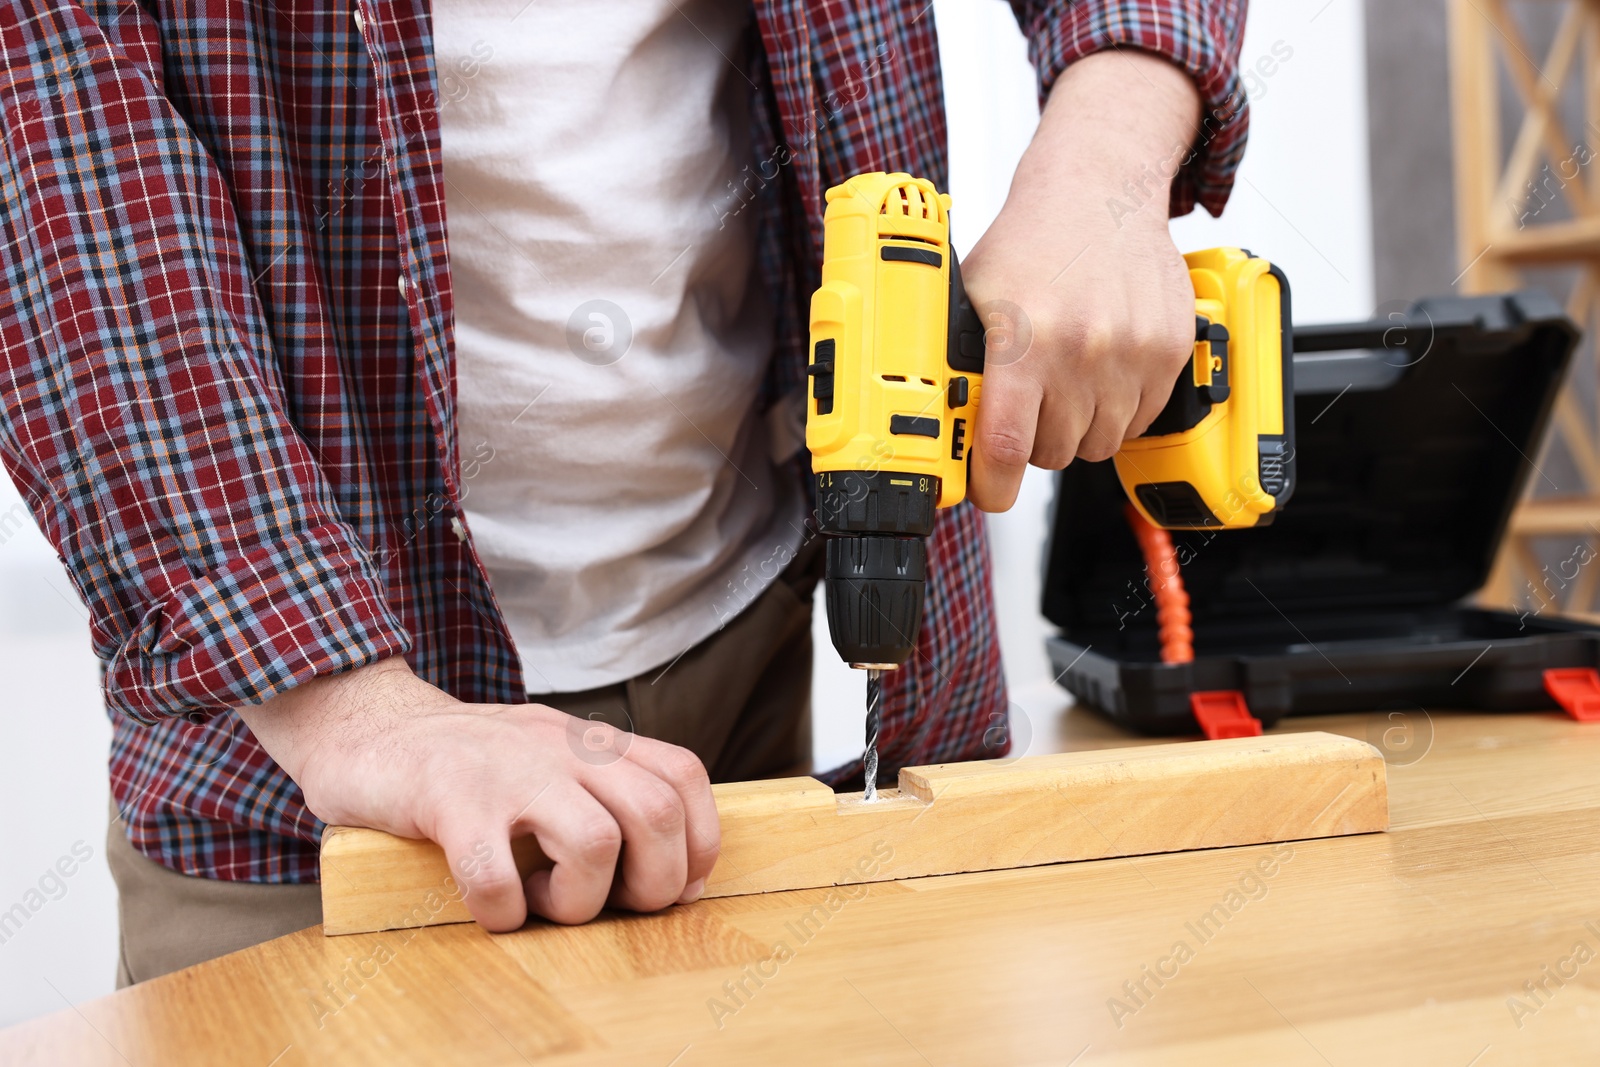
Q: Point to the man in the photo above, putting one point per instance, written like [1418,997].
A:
[326,566]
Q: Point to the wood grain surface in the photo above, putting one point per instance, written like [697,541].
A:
[1469,934]
[796,833]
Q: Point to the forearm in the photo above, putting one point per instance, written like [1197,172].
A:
[332,716]
[1088,304]
[1117,127]
[1198,38]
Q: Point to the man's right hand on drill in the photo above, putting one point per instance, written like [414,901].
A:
[380,747]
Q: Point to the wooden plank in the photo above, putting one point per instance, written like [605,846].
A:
[796,833]
[1475,134]
[1403,948]
[1551,243]
[1559,515]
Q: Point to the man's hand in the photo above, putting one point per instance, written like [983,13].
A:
[1087,303]
[379,747]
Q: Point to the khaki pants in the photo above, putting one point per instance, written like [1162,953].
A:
[740,700]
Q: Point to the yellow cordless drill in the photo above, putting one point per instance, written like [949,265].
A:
[897,358]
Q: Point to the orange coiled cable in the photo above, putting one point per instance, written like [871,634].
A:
[1166,585]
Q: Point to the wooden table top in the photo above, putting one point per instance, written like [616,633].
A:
[1467,935]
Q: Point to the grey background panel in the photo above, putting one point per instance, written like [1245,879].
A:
[1408,115]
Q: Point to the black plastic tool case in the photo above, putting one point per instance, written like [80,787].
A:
[1414,441]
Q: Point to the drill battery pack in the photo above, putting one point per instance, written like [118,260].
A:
[1416,435]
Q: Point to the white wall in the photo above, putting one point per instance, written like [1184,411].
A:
[1302,201]
[52,783]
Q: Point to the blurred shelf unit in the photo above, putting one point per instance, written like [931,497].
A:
[1531,203]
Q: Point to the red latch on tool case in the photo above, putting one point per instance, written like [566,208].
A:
[1223,713]
[1576,689]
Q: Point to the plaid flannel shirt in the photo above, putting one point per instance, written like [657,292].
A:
[226,367]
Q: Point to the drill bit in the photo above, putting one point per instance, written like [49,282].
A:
[874,708]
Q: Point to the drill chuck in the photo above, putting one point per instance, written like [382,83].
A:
[877,561]
[873,589]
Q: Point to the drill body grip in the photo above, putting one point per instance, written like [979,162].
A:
[896,355]
[894,389]
[897,374]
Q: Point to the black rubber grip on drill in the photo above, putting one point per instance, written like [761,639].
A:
[964,345]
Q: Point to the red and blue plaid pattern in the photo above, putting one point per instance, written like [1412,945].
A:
[226,373]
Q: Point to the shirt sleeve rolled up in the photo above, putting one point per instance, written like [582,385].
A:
[142,413]
[1202,37]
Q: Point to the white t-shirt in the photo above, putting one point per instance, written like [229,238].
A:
[611,333]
